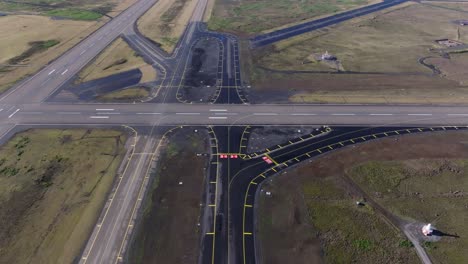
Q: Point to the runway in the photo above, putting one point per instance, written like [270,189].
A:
[203,114]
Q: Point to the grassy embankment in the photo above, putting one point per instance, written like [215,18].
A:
[248,17]
[125,94]
[53,184]
[387,44]
[312,214]
[168,231]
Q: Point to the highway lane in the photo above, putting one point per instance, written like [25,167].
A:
[51,77]
[197,114]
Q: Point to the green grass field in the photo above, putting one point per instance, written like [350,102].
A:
[68,9]
[311,215]
[423,190]
[74,14]
[53,184]
[256,16]
[311,219]
[383,52]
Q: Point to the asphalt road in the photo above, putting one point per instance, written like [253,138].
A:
[27,104]
[106,244]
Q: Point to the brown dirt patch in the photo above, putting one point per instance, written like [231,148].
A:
[168,231]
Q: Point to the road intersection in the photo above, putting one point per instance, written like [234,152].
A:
[226,115]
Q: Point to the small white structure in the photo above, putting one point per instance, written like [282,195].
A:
[427,230]
[328,56]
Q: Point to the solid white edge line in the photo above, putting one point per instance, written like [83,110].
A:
[17,110]
[227,114]
[31,113]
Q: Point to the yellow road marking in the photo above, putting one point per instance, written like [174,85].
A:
[212,205]
[247,205]
[247,233]
[274,161]
[319,151]
[308,155]
[254,183]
